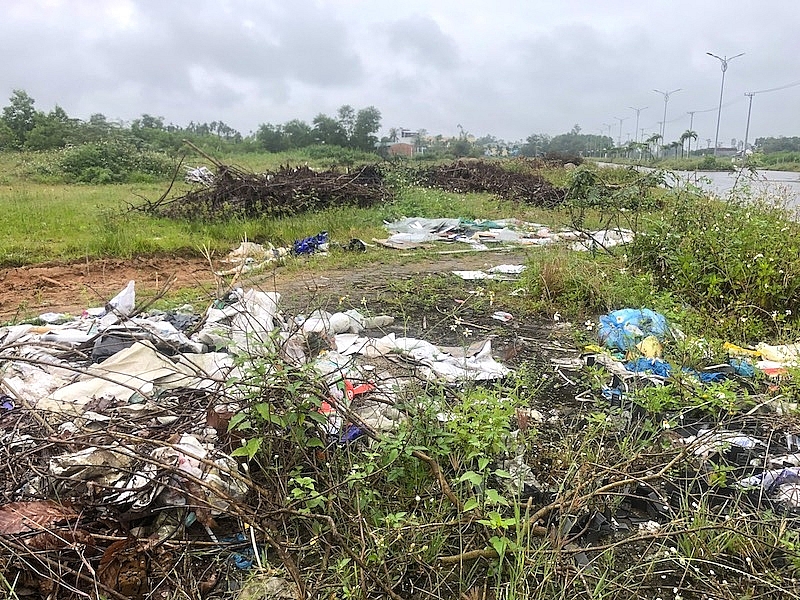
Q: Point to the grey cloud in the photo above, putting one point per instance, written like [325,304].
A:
[510,69]
[422,40]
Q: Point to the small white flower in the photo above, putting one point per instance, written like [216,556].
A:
[557,317]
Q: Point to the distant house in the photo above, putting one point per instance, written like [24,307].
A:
[401,149]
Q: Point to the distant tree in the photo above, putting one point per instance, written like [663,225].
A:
[367,124]
[652,142]
[535,144]
[298,134]
[347,119]
[461,147]
[148,122]
[270,138]
[329,131]
[570,143]
[687,135]
[19,116]
[52,130]
[95,129]
[392,137]
[421,139]
[768,145]
[7,138]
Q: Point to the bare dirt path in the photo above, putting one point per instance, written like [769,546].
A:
[71,287]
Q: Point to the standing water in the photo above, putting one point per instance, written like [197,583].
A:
[776,185]
[779,185]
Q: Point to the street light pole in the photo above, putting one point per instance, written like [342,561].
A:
[664,122]
[638,110]
[691,124]
[723,63]
[747,129]
[609,132]
[619,137]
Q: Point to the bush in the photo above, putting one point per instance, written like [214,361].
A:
[614,189]
[113,161]
[738,260]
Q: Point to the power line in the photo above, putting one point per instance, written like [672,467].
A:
[775,89]
[726,105]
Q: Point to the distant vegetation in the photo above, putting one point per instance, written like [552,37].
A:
[63,149]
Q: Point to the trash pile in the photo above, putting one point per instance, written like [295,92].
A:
[481,176]
[414,232]
[115,426]
[234,193]
[759,464]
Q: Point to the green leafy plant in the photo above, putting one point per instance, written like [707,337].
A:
[737,261]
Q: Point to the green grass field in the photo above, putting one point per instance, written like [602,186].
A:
[59,221]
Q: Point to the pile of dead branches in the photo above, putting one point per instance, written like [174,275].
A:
[235,193]
[480,176]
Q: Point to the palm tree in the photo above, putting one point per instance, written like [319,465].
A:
[652,142]
[687,135]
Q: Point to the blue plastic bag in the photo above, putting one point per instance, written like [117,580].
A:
[624,328]
[311,244]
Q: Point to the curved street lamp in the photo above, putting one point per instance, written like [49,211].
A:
[724,66]
[637,110]
[664,122]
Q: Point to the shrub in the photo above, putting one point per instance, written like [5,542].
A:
[622,188]
[113,161]
[738,260]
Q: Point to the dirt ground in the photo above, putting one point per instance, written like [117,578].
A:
[28,291]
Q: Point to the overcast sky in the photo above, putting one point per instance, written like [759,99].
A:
[503,67]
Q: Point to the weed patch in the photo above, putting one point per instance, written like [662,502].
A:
[738,262]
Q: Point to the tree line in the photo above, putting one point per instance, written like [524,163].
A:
[23,127]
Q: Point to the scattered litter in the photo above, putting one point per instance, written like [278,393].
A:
[505,317]
[708,441]
[311,244]
[783,485]
[411,233]
[624,328]
[472,275]
[603,239]
[250,256]
[200,175]
[508,269]
[265,587]
[501,272]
